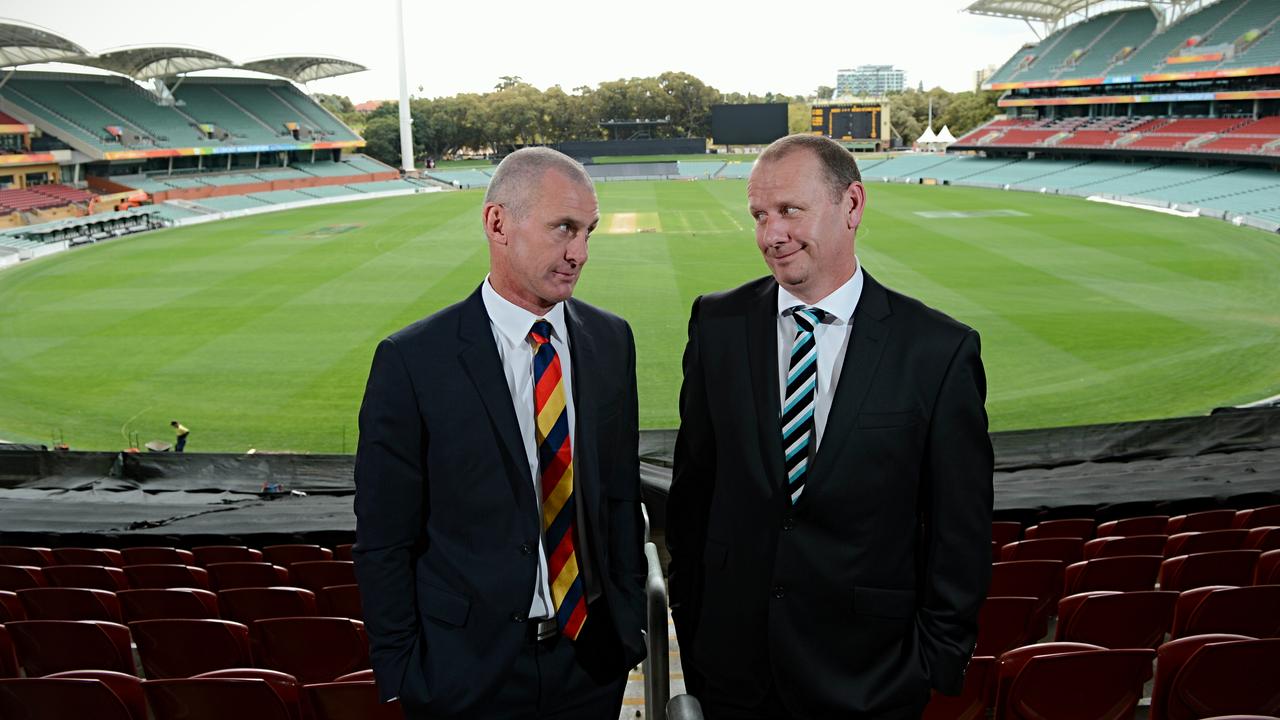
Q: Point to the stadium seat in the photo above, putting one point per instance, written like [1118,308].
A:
[1257,517]
[316,649]
[230,575]
[8,657]
[974,699]
[59,603]
[285,685]
[1127,527]
[341,601]
[287,555]
[342,552]
[1205,675]
[1268,570]
[1098,684]
[1009,664]
[1188,543]
[168,604]
[246,605]
[21,555]
[87,576]
[21,577]
[1081,528]
[1117,546]
[1068,550]
[1040,579]
[1129,572]
[1251,610]
[50,646]
[128,688]
[160,576]
[65,697]
[1005,623]
[11,607]
[215,699]
[315,575]
[1116,619]
[1228,567]
[207,555]
[341,700]
[157,556]
[1200,521]
[1264,538]
[165,646]
[88,556]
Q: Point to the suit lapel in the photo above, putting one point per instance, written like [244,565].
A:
[586,393]
[862,357]
[762,350]
[479,358]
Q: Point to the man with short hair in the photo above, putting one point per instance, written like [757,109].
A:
[499,537]
[182,433]
[830,514]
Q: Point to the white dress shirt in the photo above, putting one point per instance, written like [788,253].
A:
[511,325]
[832,338]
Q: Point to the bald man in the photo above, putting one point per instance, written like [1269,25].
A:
[499,540]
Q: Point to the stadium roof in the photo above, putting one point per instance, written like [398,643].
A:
[23,43]
[304,68]
[144,63]
[1054,11]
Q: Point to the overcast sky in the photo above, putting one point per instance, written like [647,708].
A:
[460,46]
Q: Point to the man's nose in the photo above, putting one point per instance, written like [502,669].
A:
[576,251]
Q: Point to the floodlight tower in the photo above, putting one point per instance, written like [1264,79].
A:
[406,127]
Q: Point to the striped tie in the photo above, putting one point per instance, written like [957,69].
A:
[555,460]
[797,407]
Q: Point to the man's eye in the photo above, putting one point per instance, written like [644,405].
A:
[791,210]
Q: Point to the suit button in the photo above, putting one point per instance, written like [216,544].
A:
[779,591]
[518,617]
[788,523]
[526,549]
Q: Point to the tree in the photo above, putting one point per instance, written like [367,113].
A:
[382,140]
[824,92]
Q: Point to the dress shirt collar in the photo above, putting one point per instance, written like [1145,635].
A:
[838,306]
[513,322]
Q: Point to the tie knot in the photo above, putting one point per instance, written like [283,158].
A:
[540,333]
[808,317]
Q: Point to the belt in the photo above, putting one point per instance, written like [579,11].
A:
[543,630]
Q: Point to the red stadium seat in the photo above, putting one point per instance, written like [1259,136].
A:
[215,699]
[1116,620]
[230,575]
[11,607]
[128,688]
[168,604]
[167,576]
[1005,623]
[1117,546]
[1011,663]
[971,704]
[207,555]
[1188,543]
[1257,517]
[341,601]
[21,555]
[1229,567]
[166,646]
[60,603]
[1217,678]
[87,576]
[315,575]
[246,605]
[88,556]
[353,699]
[1099,684]
[287,555]
[1127,527]
[1268,570]
[1131,572]
[157,556]
[285,685]
[1040,579]
[316,649]
[1265,538]
[50,646]
[342,552]
[8,658]
[1068,550]
[59,698]
[1005,532]
[21,577]
[1081,528]
[1253,611]
[1170,657]
[1200,521]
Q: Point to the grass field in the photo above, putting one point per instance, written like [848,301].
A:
[257,332]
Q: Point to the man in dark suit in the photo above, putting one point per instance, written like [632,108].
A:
[499,537]
[830,514]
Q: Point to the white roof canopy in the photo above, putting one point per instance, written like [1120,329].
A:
[945,136]
[24,44]
[927,137]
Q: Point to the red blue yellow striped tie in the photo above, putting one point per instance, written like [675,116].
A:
[555,461]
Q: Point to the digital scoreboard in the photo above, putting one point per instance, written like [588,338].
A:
[849,121]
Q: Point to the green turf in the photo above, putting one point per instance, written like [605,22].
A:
[257,332]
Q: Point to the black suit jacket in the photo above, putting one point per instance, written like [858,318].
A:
[866,593]
[447,523]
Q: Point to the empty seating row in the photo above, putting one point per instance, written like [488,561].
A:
[1072,549]
[313,574]
[283,555]
[1006,532]
[239,604]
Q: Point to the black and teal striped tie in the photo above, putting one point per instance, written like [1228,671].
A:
[798,405]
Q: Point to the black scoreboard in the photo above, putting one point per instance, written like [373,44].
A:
[748,124]
[849,121]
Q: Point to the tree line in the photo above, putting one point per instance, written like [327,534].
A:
[516,113]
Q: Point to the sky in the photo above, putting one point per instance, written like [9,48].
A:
[454,47]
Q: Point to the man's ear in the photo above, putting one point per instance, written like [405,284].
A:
[495,218]
[856,196]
